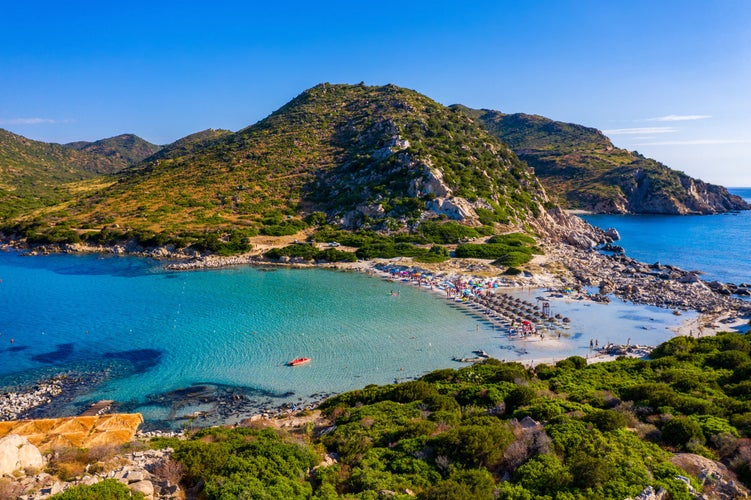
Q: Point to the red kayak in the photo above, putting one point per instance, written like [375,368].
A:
[298,361]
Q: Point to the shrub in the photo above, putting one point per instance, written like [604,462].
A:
[543,475]
[572,363]
[447,232]
[474,445]
[109,489]
[522,395]
[730,359]
[606,420]
[413,391]
[678,431]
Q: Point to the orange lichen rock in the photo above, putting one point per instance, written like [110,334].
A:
[77,432]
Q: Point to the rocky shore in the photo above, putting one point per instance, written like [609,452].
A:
[656,284]
[48,397]
[15,404]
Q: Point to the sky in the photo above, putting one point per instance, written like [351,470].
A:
[670,79]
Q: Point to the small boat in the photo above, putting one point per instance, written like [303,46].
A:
[298,361]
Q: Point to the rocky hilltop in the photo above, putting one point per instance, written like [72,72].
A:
[582,169]
[358,157]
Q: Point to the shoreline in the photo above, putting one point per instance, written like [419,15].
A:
[562,266]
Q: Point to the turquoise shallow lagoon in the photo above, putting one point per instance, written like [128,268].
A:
[152,331]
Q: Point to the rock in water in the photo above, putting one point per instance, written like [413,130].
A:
[17,453]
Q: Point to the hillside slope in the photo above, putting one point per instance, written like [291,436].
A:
[118,152]
[581,167]
[36,174]
[367,157]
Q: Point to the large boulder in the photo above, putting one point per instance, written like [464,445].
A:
[17,453]
[145,487]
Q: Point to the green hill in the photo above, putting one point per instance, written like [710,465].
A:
[362,157]
[35,174]
[120,151]
[582,169]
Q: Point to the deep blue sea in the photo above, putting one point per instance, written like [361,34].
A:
[146,331]
[717,245]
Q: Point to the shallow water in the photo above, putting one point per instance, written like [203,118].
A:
[149,331]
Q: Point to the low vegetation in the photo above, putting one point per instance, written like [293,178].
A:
[108,489]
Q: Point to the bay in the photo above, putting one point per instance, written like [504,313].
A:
[716,245]
[146,332]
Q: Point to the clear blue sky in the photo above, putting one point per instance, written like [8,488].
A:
[671,79]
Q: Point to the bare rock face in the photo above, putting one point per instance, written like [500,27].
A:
[17,453]
[560,226]
[455,208]
[430,182]
[715,476]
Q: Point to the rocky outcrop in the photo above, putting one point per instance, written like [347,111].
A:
[649,493]
[559,226]
[644,193]
[150,472]
[659,285]
[719,482]
[16,453]
[13,404]
[454,208]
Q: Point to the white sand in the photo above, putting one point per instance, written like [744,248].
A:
[707,325]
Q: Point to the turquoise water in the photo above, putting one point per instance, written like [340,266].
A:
[152,331]
[717,245]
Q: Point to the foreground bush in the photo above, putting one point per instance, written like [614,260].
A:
[109,489]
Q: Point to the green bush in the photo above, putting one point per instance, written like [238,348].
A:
[310,252]
[246,463]
[572,363]
[522,395]
[446,232]
[678,431]
[473,445]
[606,420]
[108,489]
[543,475]
[284,228]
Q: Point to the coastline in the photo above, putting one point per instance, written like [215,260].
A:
[562,266]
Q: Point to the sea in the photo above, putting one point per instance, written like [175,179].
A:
[716,245]
[165,343]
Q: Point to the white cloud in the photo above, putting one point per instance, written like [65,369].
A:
[696,142]
[29,121]
[639,131]
[678,118]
